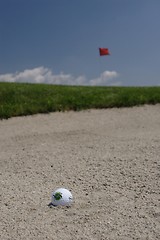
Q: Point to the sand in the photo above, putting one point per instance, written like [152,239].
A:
[109,159]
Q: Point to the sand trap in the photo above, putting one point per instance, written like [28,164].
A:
[109,159]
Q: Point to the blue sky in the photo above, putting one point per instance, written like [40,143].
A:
[57,41]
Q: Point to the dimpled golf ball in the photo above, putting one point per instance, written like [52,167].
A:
[62,197]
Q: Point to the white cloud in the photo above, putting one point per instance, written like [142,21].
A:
[45,75]
[105,79]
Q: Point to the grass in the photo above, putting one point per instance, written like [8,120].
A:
[21,99]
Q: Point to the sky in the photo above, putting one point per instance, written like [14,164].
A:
[57,42]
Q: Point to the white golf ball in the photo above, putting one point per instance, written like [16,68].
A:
[62,197]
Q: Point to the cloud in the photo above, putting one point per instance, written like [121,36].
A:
[105,79]
[45,75]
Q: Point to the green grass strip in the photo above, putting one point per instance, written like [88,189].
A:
[21,99]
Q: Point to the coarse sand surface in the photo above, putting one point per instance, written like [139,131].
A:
[109,159]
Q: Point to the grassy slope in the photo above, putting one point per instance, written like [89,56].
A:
[18,99]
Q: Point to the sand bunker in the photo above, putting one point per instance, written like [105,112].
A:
[109,159]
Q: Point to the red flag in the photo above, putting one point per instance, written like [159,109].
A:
[103,51]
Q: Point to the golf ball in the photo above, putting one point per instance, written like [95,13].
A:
[62,197]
